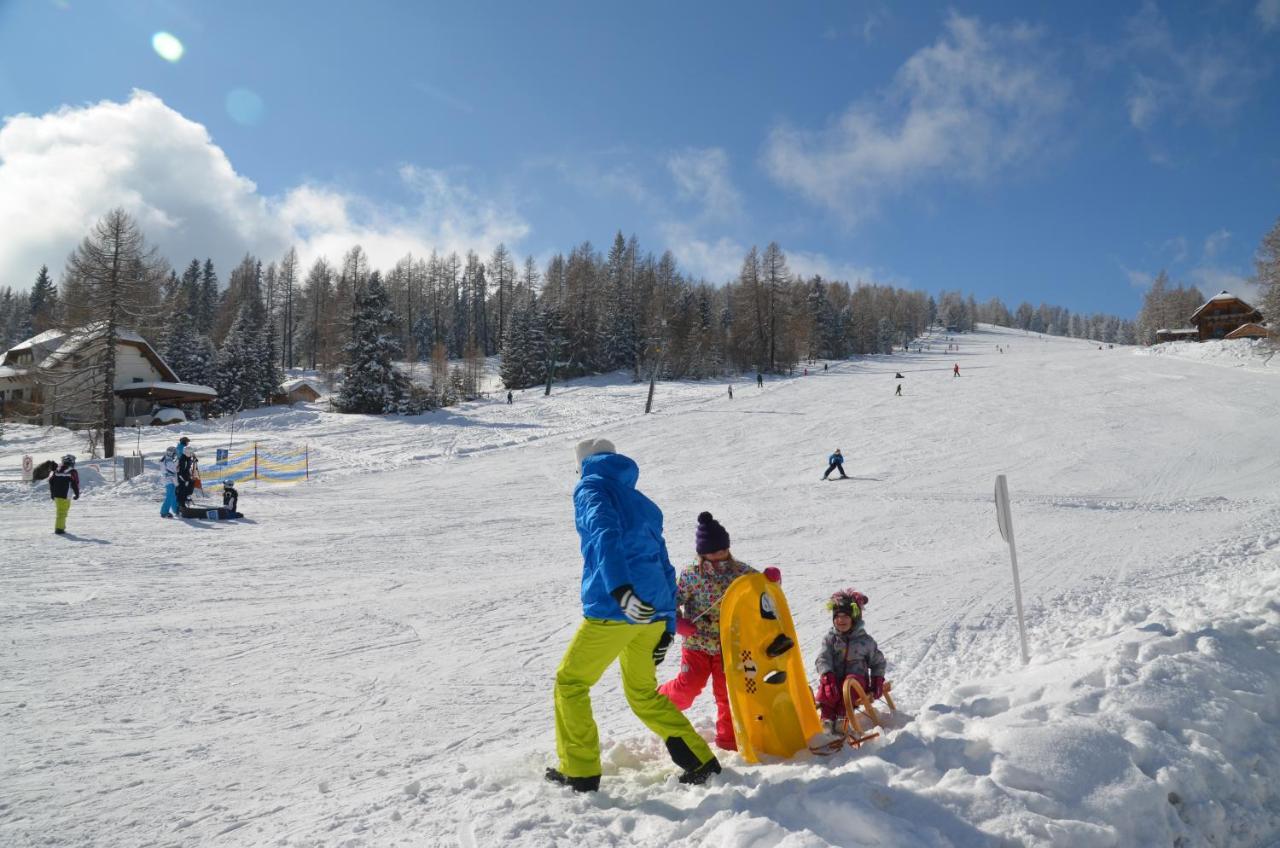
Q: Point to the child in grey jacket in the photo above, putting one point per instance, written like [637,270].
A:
[847,651]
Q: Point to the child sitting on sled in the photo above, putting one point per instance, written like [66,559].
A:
[698,594]
[847,651]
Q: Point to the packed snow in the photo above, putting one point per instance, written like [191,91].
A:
[367,658]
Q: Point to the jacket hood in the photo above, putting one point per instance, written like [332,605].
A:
[612,466]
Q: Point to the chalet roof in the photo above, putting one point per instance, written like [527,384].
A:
[1221,297]
[289,385]
[58,345]
[164,390]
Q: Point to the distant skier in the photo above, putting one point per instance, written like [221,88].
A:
[509,397]
[759,380]
[63,481]
[824,366]
[835,462]
[898,393]
[955,370]
[169,464]
[629,611]
[698,593]
[847,651]
[730,391]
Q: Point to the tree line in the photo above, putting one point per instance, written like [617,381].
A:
[582,312]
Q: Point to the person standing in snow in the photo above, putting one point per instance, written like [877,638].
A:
[835,462]
[186,459]
[629,615]
[730,392]
[847,651]
[955,370]
[759,380]
[898,393]
[63,481]
[698,593]
[169,464]
[509,397]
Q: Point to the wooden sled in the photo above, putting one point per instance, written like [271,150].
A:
[860,714]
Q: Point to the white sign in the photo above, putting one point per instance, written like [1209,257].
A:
[1004,519]
[26,467]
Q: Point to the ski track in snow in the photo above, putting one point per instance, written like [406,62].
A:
[368,659]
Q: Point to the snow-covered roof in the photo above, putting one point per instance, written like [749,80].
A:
[164,388]
[60,344]
[1220,297]
[47,337]
[289,385]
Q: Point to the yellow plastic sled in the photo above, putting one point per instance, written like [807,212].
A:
[773,710]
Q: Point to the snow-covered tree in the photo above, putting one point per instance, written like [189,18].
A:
[371,383]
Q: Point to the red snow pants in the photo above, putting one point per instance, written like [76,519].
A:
[695,667]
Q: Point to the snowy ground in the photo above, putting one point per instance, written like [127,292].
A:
[367,660]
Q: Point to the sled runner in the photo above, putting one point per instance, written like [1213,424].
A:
[773,711]
[860,714]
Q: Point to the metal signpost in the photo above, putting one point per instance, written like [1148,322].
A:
[1005,520]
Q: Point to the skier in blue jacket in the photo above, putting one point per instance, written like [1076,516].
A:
[629,615]
[835,462]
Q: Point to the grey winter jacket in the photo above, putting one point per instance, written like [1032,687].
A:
[854,652]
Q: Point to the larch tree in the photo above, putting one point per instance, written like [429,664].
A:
[116,278]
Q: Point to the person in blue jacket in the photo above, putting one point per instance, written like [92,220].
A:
[835,462]
[629,615]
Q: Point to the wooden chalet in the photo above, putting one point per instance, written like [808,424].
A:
[1222,314]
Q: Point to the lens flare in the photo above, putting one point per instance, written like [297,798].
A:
[167,46]
[245,107]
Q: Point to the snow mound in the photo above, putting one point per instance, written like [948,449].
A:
[1252,354]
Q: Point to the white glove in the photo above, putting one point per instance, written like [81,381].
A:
[636,610]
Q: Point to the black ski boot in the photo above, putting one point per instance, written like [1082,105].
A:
[699,775]
[577,784]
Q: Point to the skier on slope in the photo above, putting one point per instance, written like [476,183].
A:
[835,462]
[186,471]
[63,481]
[629,615]
[698,593]
[847,651]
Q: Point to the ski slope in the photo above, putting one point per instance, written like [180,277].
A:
[368,659]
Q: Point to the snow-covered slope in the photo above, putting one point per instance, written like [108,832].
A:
[368,659]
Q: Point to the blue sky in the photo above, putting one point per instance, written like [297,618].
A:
[1041,151]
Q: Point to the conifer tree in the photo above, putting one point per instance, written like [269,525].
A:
[43,302]
[371,383]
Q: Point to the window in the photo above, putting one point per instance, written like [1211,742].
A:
[137,379]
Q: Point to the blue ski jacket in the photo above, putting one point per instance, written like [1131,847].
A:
[620,531]
[836,459]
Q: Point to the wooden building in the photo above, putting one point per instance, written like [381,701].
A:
[297,390]
[1249,331]
[1221,314]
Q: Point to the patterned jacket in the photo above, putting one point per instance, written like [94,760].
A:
[698,593]
[854,652]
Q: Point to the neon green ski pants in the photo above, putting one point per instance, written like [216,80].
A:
[594,648]
[61,507]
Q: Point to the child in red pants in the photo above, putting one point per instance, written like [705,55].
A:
[699,591]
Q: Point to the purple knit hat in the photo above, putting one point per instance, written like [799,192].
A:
[711,535]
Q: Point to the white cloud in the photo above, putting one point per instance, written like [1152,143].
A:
[1215,242]
[1175,248]
[1268,12]
[1211,280]
[1204,78]
[720,260]
[1138,279]
[717,261]
[979,101]
[703,176]
[61,171]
